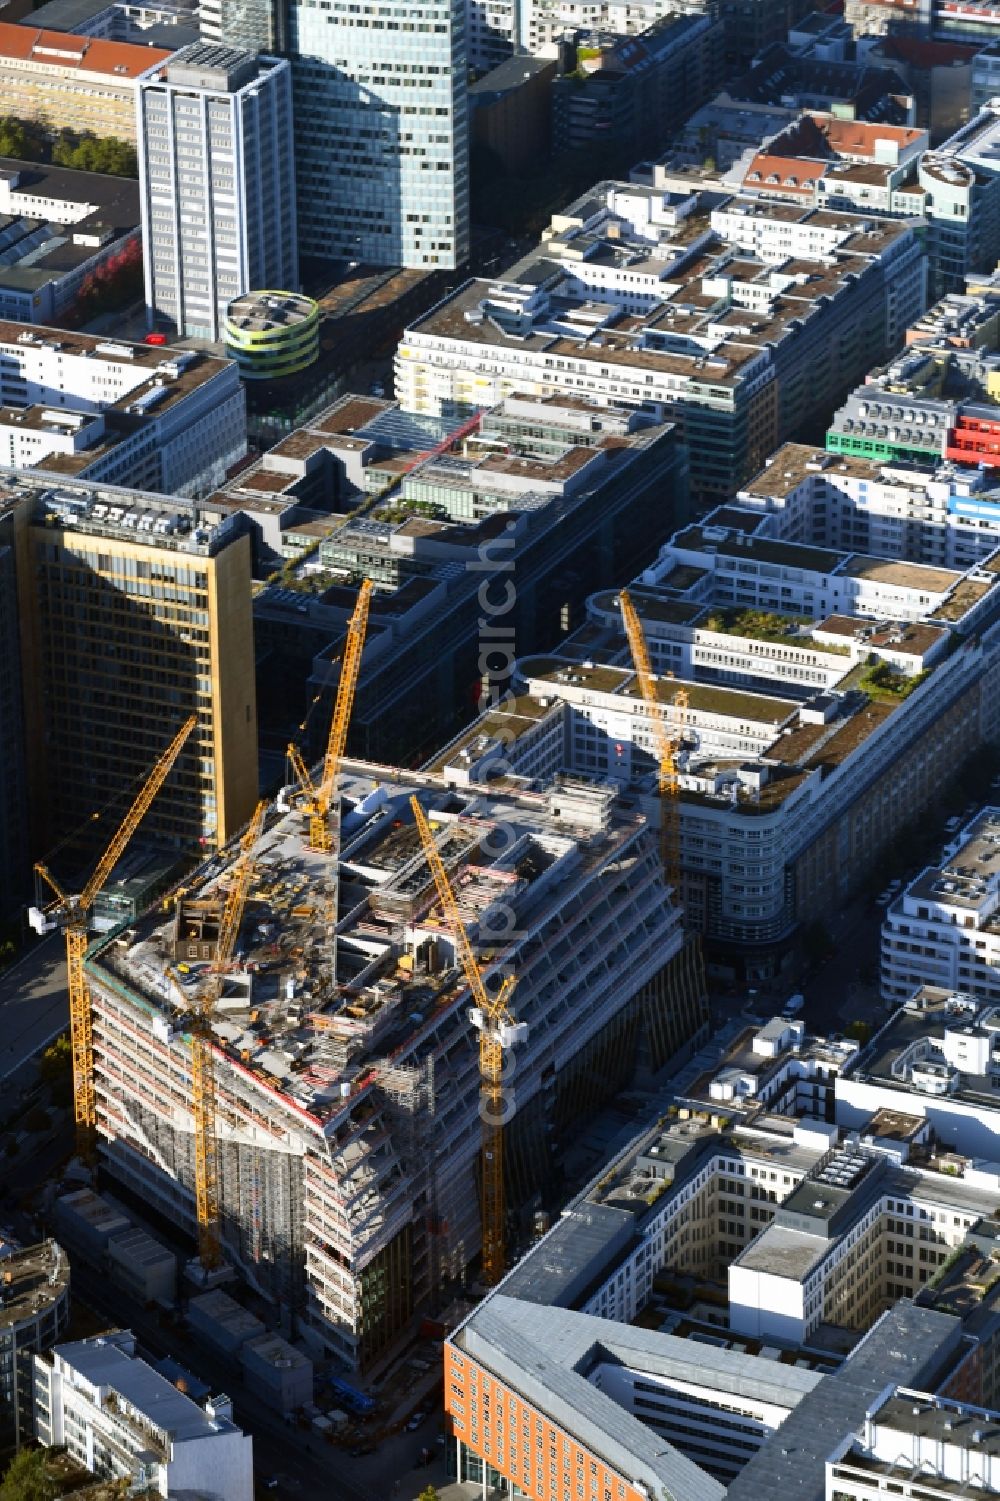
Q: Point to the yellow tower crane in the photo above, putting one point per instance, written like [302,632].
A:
[666,743]
[320,798]
[493,1018]
[71,912]
[206,1166]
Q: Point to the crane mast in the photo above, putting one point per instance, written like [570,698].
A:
[666,744]
[72,912]
[206,1167]
[493,1018]
[318,799]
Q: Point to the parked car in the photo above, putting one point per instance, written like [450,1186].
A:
[415,1422]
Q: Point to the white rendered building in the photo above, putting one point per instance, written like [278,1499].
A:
[793,775]
[944,928]
[62,393]
[737,318]
[948,516]
[217,173]
[121,1419]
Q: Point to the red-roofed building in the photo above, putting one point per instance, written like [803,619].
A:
[821,159]
[938,74]
[63,81]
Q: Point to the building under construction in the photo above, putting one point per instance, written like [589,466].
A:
[346,1067]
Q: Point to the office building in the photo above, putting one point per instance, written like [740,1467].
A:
[570,493]
[61,228]
[948,516]
[148,22]
[34,1313]
[217,172]
[636,92]
[939,74]
[929,1445]
[61,81]
[121,1419]
[619,305]
[985,77]
[510,111]
[272,334]
[961,178]
[797,767]
[135,612]
[155,417]
[257,25]
[348,1124]
[14,863]
[381,132]
[575,1373]
[941,929]
[935,1060]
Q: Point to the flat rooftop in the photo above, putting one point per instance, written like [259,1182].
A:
[283,1021]
[32,1278]
[102,1362]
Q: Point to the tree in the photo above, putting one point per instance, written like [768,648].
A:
[27,1478]
[22,140]
[115,283]
[56,1070]
[90,153]
[429,1493]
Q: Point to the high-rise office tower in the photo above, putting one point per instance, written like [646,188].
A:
[381,137]
[254,25]
[135,611]
[216,167]
[13,794]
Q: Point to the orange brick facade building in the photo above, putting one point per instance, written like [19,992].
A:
[521,1443]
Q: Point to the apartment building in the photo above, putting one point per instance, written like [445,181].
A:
[835,162]
[348,1125]
[942,929]
[566,494]
[122,1420]
[720,315]
[381,132]
[159,418]
[217,176]
[796,767]
[134,613]
[61,81]
[61,227]
[893,170]
[34,1312]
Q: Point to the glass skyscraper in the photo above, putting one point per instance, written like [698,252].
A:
[381,139]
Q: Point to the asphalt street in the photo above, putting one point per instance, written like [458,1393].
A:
[34,1007]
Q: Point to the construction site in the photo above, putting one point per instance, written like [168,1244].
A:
[348,1053]
[346,1155]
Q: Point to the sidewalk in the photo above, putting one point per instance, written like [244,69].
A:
[412,1484]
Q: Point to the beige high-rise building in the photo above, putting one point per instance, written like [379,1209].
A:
[135,612]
